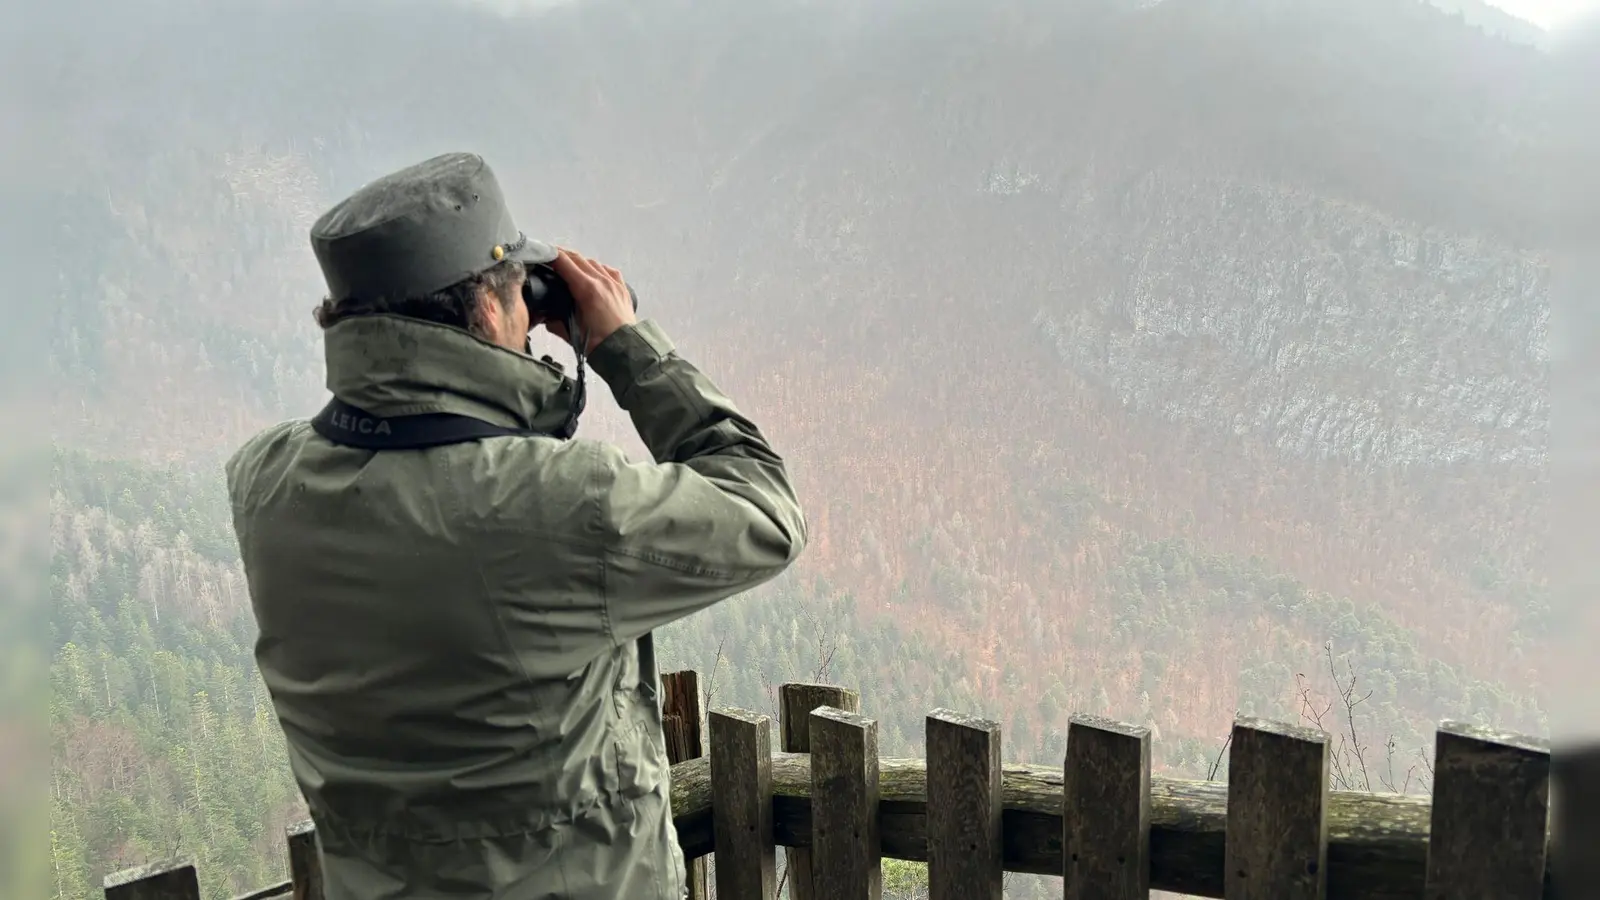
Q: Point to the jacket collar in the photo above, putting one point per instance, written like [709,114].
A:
[393,365]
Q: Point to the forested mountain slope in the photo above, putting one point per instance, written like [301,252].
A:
[1125,353]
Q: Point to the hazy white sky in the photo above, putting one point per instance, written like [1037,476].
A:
[1544,13]
[1547,13]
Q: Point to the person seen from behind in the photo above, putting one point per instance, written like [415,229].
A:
[454,595]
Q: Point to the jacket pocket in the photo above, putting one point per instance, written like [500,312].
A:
[640,747]
[641,751]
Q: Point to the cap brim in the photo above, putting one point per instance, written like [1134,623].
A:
[535,253]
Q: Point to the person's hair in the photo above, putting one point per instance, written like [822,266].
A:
[455,305]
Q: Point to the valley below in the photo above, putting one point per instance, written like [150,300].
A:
[1117,377]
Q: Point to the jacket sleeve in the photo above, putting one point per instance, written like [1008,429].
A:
[713,516]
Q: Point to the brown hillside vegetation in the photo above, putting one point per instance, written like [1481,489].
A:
[1127,354]
[970,283]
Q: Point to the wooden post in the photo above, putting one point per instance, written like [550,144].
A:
[796,703]
[844,806]
[741,803]
[1277,844]
[305,861]
[173,880]
[1491,796]
[1105,814]
[965,860]
[1575,795]
[680,716]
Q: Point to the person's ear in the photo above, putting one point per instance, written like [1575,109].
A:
[490,308]
[494,317]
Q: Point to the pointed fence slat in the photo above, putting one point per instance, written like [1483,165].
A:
[1105,818]
[965,849]
[741,803]
[845,842]
[797,701]
[174,880]
[680,720]
[1491,802]
[1277,838]
[305,861]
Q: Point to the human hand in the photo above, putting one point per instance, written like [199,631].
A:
[600,297]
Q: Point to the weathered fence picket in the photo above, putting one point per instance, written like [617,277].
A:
[680,725]
[845,844]
[1102,821]
[1105,840]
[305,862]
[1277,812]
[965,849]
[741,805]
[1491,806]
[796,703]
[174,880]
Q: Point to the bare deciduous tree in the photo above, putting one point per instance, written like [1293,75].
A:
[1351,769]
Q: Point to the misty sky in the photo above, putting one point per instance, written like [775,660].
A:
[1547,13]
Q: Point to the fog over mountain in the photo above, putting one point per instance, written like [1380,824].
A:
[1496,21]
[1126,353]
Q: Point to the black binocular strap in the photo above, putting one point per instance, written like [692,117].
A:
[352,426]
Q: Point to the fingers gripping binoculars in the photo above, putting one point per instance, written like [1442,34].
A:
[548,297]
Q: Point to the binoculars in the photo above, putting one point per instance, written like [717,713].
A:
[548,296]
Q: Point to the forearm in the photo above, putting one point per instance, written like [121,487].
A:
[683,418]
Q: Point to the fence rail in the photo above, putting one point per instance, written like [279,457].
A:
[1101,821]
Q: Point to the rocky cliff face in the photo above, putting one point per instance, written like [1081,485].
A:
[1324,328]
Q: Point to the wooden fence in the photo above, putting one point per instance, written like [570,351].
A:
[1101,821]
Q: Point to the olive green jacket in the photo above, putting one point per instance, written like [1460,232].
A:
[449,634]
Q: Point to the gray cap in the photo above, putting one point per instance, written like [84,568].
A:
[420,230]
